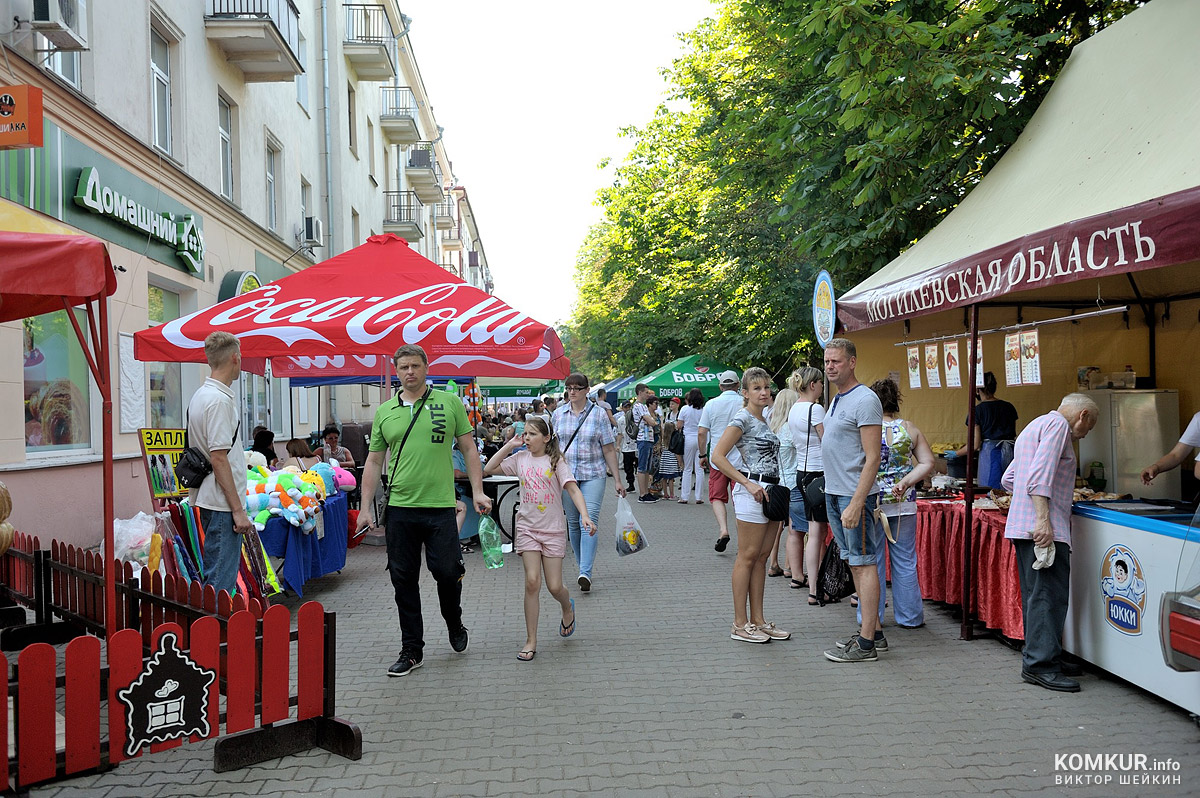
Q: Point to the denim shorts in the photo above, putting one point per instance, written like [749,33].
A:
[861,545]
[797,510]
[645,452]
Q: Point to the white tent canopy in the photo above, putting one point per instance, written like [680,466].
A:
[1102,182]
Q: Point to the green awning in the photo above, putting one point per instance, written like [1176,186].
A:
[680,376]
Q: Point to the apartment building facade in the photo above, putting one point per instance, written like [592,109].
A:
[215,145]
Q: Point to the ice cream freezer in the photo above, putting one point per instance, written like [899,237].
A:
[1135,595]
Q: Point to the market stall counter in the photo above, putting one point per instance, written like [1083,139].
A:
[996,590]
[307,555]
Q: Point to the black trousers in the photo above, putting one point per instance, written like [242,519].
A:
[1044,596]
[408,528]
[629,463]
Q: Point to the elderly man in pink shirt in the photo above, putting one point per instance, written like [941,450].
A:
[1042,480]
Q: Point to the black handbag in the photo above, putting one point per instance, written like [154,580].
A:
[814,486]
[776,502]
[677,443]
[834,580]
[193,467]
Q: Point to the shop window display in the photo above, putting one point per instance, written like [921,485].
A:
[57,385]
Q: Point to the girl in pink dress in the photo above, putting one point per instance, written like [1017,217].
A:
[541,528]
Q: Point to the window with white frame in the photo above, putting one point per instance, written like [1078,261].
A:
[306,207]
[272,200]
[225,132]
[351,111]
[302,78]
[160,73]
[370,149]
[63,63]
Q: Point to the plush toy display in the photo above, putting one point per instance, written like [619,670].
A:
[316,480]
[283,493]
[256,459]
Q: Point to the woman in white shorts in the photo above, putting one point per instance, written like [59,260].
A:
[758,447]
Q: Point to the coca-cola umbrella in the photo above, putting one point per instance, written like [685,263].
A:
[368,301]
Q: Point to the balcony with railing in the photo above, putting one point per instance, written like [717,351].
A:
[261,37]
[446,216]
[402,214]
[370,41]
[452,267]
[423,173]
[452,240]
[398,115]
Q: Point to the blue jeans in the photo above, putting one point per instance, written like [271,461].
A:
[859,546]
[222,550]
[582,544]
[909,607]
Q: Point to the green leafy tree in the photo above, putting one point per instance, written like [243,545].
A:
[816,134]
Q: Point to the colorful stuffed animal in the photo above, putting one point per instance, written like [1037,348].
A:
[316,480]
[344,479]
[327,474]
[256,460]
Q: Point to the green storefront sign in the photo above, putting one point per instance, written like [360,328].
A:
[180,232]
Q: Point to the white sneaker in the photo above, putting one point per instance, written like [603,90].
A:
[749,634]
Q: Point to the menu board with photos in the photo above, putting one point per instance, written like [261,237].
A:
[1012,359]
[950,357]
[914,366]
[932,373]
[1031,358]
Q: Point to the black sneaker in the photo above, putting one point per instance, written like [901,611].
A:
[722,542]
[410,660]
[459,639]
[645,499]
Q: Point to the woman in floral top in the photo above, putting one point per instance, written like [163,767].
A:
[905,461]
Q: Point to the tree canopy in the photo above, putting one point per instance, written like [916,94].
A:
[801,135]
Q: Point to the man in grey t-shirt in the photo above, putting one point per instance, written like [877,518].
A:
[850,450]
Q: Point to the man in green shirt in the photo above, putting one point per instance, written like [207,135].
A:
[421,499]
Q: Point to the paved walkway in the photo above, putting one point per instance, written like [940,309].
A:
[651,697]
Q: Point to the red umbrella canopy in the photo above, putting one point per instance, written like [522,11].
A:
[38,271]
[370,301]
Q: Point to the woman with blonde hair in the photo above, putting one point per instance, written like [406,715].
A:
[759,450]
[804,422]
[787,476]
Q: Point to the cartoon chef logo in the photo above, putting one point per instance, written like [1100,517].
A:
[1124,589]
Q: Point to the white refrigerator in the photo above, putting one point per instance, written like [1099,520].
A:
[1135,428]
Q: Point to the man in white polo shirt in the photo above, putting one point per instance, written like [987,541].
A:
[214,429]
[714,418]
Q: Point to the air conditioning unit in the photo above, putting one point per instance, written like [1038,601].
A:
[314,234]
[62,22]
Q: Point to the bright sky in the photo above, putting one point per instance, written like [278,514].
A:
[532,96]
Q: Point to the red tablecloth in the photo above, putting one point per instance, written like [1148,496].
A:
[995,597]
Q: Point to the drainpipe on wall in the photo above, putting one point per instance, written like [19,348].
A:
[327,156]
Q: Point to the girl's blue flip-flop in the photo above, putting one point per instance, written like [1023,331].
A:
[562,628]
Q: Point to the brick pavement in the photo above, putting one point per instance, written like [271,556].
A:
[651,697]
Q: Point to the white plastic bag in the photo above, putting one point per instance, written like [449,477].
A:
[630,537]
[131,537]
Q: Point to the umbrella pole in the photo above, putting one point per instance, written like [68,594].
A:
[966,632]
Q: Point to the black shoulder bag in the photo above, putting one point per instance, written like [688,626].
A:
[576,432]
[813,487]
[193,467]
[384,481]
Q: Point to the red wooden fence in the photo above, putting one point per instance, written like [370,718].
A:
[257,691]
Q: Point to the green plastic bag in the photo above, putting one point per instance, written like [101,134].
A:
[489,540]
